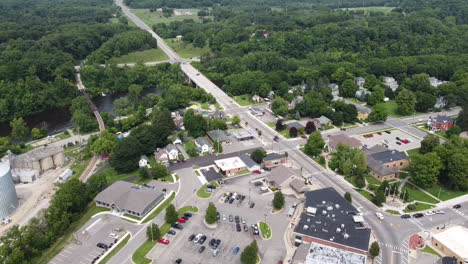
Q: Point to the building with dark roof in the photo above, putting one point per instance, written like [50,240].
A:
[275,159]
[385,164]
[249,162]
[294,124]
[328,219]
[211,174]
[440,123]
[218,135]
[279,175]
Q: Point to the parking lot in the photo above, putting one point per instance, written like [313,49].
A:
[271,250]
[390,140]
[84,249]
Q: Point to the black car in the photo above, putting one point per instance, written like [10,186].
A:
[238,197]
[418,215]
[202,248]
[237,219]
[227,199]
[188,214]
[388,131]
[246,228]
[252,205]
[178,261]
[211,186]
[238,227]
[218,216]
[102,245]
[242,198]
[457,206]
[171,232]
[231,200]
[405,216]
[212,241]
[216,244]
[177,226]
[202,240]
[398,143]
[186,218]
[259,183]
[191,237]
[398,138]
[267,169]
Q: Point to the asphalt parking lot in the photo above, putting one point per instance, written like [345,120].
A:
[84,249]
[271,250]
[391,140]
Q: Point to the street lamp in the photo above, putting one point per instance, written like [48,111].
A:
[249,195]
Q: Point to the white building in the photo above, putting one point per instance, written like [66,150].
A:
[143,161]
[203,145]
[231,166]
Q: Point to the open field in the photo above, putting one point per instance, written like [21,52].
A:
[186,50]
[152,18]
[141,56]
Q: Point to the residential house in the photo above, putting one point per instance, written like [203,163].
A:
[161,156]
[385,164]
[322,122]
[391,82]
[333,87]
[440,123]
[361,94]
[257,99]
[334,140]
[176,141]
[440,103]
[292,123]
[172,152]
[275,159]
[230,166]
[249,162]
[363,112]
[129,198]
[360,81]
[203,145]
[436,82]
[144,161]
[218,135]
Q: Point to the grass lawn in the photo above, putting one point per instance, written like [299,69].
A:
[445,194]
[133,217]
[354,100]
[391,107]
[429,250]
[142,181]
[113,176]
[62,136]
[115,250]
[160,208]
[366,194]
[419,207]
[352,180]
[201,192]
[186,209]
[265,229]
[392,212]
[417,195]
[243,100]
[152,18]
[186,50]
[141,56]
[167,178]
[62,242]
[372,180]
[413,152]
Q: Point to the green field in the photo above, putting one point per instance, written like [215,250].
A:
[372,180]
[243,100]
[413,152]
[150,55]
[429,250]
[265,230]
[391,107]
[152,18]
[366,194]
[186,50]
[417,195]
[419,207]
[392,212]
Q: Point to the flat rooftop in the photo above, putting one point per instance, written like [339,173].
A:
[454,239]
[321,254]
[230,163]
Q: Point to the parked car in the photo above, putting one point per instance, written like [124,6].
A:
[238,227]
[177,226]
[243,220]
[418,215]
[398,143]
[191,237]
[163,241]
[457,206]
[102,245]
[216,244]
[188,215]
[181,220]
[202,248]
[171,232]
[379,133]
[255,229]
[224,217]
[197,238]
[276,138]
[215,252]
[218,216]
[231,200]
[212,241]
[237,219]
[429,213]
[388,131]
[398,138]
[379,215]
[405,216]
[202,240]
[439,212]
[252,205]
[231,218]
[257,172]
[114,236]
[246,228]
[178,261]
[236,250]
[304,137]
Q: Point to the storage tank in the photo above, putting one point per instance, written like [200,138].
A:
[59,159]
[8,198]
[47,163]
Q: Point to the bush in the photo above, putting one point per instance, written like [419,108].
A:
[411,207]
[210,216]
[278,200]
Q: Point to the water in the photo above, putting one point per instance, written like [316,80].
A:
[59,119]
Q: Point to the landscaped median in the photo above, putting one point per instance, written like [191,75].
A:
[202,193]
[265,230]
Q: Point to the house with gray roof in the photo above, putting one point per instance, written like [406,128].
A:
[279,175]
[275,159]
[249,162]
[218,135]
[172,152]
[292,123]
[203,145]
[129,198]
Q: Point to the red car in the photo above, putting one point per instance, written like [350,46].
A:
[304,137]
[405,141]
[257,172]
[380,133]
[370,135]
[163,241]
[181,220]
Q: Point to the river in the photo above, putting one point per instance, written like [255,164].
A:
[58,119]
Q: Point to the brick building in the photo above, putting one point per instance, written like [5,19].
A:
[275,159]
[440,123]
[385,164]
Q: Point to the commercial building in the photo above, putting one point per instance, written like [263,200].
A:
[279,175]
[452,242]
[230,166]
[275,159]
[329,225]
[218,135]
[8,197]
[335,140]
[440,123]
[129,198]
[385,164]
[243,135]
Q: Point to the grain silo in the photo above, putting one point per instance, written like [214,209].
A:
[8,198]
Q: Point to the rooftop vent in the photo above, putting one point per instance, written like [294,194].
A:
[338,230]
[342,225]
[323,202]
[333,215]
[308,219]
[345,236]
[337,206]
[305,227]
[329,208]
[324,212]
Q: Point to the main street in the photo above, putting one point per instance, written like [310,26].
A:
[390,232]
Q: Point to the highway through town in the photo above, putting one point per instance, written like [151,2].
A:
[391,232]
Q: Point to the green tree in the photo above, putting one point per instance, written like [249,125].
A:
[378,114]
[159,171]
[453,131]
[153,232]
[348,88]
[171,214]
[429,143]
[462,119]
[105,144]
[374,250]
[218,148]
[425,169]
[379,198]
[279,106]
[143,174]
[293,132]
[191,149]
[236,120]
[315,144]
[310,127]
[126,155]
[406,101]
[376,97]
[19,130]
[457,171]
[257,156]
[210,216]
[279,125]
[250,253]
[348,198]
[36,133]
[196,125]
[360,182]
[134,93]
[278,200]
[218,124]
[424,101]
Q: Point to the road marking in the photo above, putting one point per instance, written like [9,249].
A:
[95,222]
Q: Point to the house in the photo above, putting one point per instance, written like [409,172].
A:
[436,82]
[333,87]
[385,164]
[249,162]
[391,82]
[161,156]
[275,159]
[440,103]
[290,124]
[440,123]
[218,135]
[321,122]
[129,198]
[452,242]
[172,152]
[176,141]
[295,101]
[329,231]
[230,166]
[257,99]
[360,81]
[271,95]
[363,112]
[143,161]
[179,37]
[334,140]
[361,94]
[203,145]
[279,175]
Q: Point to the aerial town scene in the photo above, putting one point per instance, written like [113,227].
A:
[233,132]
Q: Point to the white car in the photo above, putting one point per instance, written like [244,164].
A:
[224,217]
[195,240]
[243,220]
[379,215]
[429,213]
[114,236]
[439,212]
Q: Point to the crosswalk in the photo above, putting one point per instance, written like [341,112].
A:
[395,249]
[460,213]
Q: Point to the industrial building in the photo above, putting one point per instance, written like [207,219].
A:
[8,198]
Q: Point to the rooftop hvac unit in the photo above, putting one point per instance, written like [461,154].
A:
[308,219]
[333,215]
[305,227]
[345,236]
[323,202]
[324,212]
[337,206]
[342,225]
[329,208]
[338,230]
